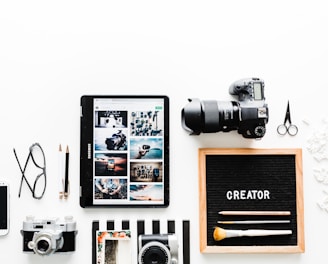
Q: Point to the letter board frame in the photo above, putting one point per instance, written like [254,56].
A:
[245,173]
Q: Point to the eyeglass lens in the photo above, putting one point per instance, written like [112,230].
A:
[39,186]
[39,161]
[37,155]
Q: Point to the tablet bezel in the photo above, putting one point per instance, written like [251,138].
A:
[87,152]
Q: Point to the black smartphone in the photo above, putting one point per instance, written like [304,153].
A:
[4,208]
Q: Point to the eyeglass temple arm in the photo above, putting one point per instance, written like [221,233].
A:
[23,171]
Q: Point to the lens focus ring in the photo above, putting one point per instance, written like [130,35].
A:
[154,252]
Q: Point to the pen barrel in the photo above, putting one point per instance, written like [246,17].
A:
[66,182]
[61,173]
[66,172]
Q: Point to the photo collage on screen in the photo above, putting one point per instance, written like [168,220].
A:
[128,152]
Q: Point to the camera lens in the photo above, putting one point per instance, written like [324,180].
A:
[46,243]
[42,246]
[154,253]
[210,116]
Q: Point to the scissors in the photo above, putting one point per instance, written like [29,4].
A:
[291,129]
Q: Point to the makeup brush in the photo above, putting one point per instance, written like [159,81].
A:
[220,233]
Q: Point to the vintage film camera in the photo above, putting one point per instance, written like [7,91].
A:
[158,248]
[48,236]
[248,115]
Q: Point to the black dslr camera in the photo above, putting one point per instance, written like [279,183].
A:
[117,141]
[248,115]
[48,236]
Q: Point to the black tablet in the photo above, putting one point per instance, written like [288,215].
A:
[124,155]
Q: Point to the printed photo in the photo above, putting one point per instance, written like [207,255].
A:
[146,172]
[110,164]
[146,148]
[111,119]
[110,139]
[147,123]
[114,247]
[110,188]
[146,192]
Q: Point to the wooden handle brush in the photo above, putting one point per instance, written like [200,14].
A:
[220,233]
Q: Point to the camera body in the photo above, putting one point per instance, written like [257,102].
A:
[116,142]
[48,236]
[158,248]
[146,147]
[248,115]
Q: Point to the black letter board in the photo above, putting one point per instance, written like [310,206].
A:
[251,181]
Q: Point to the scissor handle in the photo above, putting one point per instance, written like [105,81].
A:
[292,130]
[282,129]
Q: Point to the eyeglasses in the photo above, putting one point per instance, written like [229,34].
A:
[38,158]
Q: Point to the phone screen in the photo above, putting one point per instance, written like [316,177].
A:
[3,207]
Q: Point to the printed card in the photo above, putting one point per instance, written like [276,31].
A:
[114,247]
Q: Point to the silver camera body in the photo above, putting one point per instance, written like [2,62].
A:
[48,236]
[158,248]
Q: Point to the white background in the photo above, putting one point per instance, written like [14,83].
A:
[53,52]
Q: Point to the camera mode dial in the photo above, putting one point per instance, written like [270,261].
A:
[259,131]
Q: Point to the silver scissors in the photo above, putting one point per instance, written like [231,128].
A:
[291,129]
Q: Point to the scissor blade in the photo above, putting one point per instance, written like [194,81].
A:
[288,111]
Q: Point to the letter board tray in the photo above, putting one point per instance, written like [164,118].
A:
[251,180]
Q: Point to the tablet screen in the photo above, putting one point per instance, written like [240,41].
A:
[124,151]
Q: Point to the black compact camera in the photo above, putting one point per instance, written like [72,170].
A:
[146,147]
[158,249]
[248,115]
[48,236]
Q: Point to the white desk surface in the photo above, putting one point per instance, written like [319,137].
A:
[52,53]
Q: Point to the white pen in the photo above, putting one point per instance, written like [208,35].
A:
[61,173]
[255,222]
[254,212]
